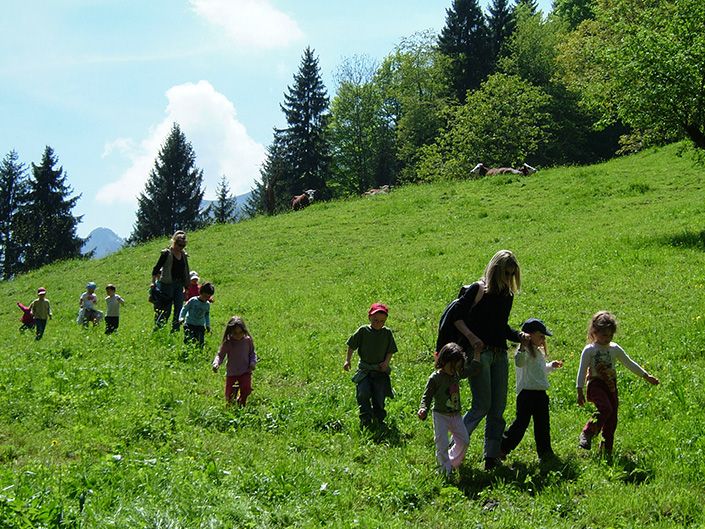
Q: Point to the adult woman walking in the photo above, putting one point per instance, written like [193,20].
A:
[480,324]
[171,275]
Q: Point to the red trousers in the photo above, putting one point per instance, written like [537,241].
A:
[242,384]
[605,418]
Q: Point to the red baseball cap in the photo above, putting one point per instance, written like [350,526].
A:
[378,307]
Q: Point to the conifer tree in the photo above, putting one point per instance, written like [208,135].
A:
[46,227]
[307,151]
[13,196]
[465,41]
[531,5]
[272,192]
[173,194]
[500,25]
[223,209]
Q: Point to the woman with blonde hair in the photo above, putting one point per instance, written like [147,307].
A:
[169,278]
[483,323]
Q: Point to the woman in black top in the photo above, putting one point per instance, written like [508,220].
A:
[484,327]
[171,275]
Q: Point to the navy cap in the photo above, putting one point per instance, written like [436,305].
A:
[534,325]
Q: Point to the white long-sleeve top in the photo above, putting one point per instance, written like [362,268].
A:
[531,371]
[597,361]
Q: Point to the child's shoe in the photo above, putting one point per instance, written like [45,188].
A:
[585,440]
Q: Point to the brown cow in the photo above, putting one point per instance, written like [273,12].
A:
[377,191]
[302,200]
[480,169]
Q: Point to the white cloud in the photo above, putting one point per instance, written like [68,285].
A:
[209,122]
[250,23]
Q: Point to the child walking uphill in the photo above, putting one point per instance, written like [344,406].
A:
[443,390]
[238,348]
[112,309]
[532,368]
[196,315]
[375,345]
[597,366]
[41,311]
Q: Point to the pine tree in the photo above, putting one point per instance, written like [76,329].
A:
[465,41]
[223,209]
[500,25]
[46,228]
[173,194]
[305,107]
[13,196]
[531,5]
[272,192]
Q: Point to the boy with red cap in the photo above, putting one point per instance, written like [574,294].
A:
[375,345]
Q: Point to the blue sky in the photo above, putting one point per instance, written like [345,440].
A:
[101,82]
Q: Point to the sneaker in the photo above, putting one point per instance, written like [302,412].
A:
[585,441]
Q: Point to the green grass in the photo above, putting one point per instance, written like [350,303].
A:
[131,431]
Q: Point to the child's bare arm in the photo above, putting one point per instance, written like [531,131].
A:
[348,357]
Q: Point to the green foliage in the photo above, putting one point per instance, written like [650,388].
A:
[465,41]
[306,109]
[13,198]
[127,431]
[642,63]
[500,26]
[574,11]
[46,228]
[361,137]
[413,84]
[223,209]
[504,123]
[173,194]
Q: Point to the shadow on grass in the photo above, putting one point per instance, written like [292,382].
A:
[688,239]
[531,478]
[387,434]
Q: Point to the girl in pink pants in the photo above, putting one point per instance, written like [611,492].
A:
[237,346]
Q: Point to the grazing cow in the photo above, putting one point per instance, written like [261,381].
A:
[377,191]
[480,169]
[302,200]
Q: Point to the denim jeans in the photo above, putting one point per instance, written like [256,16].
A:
[175,291]
[489,398]
[371,393]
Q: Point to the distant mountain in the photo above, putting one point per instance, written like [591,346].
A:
[104,241]
[241,200]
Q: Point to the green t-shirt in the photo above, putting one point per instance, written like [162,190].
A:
[372,345]
[444,390]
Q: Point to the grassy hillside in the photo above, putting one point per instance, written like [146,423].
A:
[131,431]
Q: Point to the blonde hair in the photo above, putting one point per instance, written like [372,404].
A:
[235,321]
[495,277]
[179,234]
[601,321]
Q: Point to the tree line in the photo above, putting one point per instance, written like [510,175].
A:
[593,79]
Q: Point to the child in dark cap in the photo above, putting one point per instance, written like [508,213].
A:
[532,368]
[375,345]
